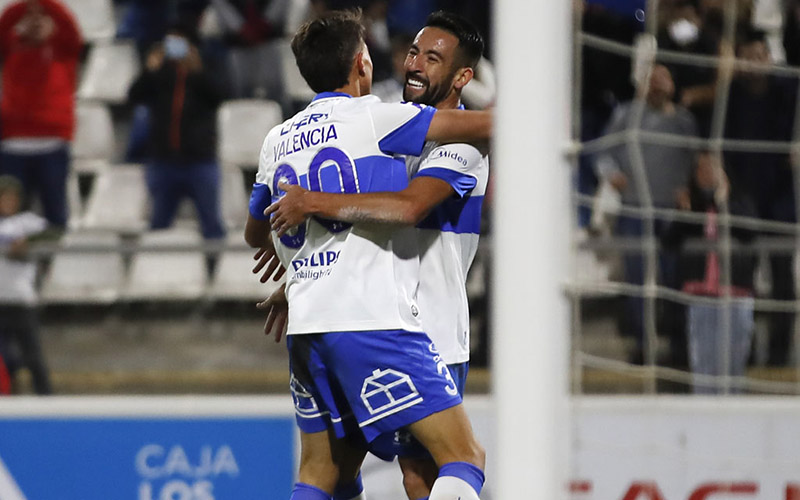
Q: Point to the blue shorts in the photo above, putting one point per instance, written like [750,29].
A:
[375,381]
[401,443]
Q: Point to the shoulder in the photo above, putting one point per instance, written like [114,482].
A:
[465,155]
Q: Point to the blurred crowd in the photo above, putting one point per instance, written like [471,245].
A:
[670,85]
[194,56]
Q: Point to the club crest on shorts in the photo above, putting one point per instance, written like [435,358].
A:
[388,391]
[304,403]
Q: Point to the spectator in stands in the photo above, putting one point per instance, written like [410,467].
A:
[145,22]
[605,83]
[251,28]
[694,32]
[40,46]
[704,273]
[791,32]
[19,336]
[761,107]
[183,102]
[656,181]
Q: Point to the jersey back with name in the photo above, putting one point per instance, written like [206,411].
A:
[448,241]
[342,277]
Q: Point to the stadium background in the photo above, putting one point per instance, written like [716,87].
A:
[111,324]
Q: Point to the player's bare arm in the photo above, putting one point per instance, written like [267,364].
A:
[406,207]
[456,125]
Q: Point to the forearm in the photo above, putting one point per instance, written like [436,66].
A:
[380,208]
[454,125]
[8,21]
[68,36]
[257,233]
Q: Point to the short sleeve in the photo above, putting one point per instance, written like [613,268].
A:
[456,164]
[260,199]
[401,128]
[261,196]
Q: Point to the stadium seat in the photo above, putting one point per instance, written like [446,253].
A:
[234,199]
[95,17]
[93,146]
[88,277]
[74,202]
[111,68]
[169,266]
[118,201]
[296,87]
[233,279]
[298,12]
[243,124]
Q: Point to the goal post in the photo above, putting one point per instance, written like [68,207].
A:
[532,226]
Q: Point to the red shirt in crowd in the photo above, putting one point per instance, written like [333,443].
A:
[38,80]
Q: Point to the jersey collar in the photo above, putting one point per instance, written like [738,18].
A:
[325,95]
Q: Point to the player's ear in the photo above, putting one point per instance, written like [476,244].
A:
[360,64]
[463,77]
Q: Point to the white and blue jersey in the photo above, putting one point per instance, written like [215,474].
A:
[358,354]
[448,241]
[342,277]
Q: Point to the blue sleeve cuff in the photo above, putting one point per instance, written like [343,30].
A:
[409,138]
[260,199]
[462,184]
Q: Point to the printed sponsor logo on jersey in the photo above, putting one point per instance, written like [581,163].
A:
[316,266]
[387,391]
[446,153]
[303,121]
[300,141]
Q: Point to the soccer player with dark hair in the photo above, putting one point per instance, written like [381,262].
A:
[443,200]
[361,364]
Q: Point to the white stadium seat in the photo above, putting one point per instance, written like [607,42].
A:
[296,87]
[243,124]
[86,277]
[95,18]
[160,271]
[93,145]
[74,202]
[234,199]
[118,201]
[110,70]
[233,279]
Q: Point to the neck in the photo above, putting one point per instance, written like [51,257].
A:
[452,101]
[354,89]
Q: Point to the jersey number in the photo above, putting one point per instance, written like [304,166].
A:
[347,184]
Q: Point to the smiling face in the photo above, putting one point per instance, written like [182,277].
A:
[430,66]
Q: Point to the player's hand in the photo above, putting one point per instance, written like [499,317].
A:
[277,313]
[290,210]
[267,257]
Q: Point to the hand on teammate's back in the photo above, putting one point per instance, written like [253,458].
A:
[267,257]
[290,210]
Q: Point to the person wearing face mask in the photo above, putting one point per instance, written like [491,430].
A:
[40,46]
[182,99]
[694,31]
[665,169]
[702,273]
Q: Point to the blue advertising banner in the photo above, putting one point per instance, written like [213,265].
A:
[146,458]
